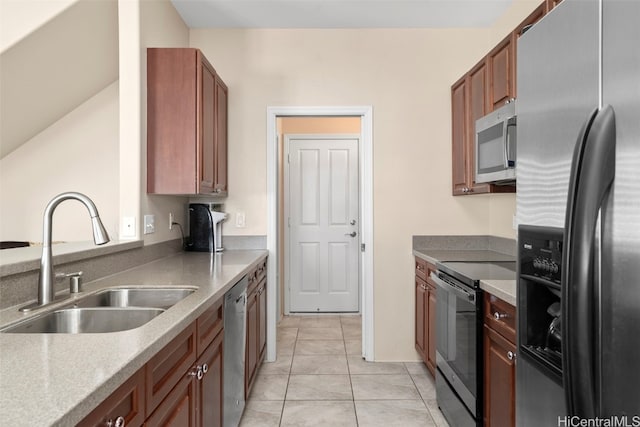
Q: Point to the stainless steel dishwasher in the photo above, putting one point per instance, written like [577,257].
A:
[235,304]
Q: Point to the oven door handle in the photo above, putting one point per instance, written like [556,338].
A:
[458,291]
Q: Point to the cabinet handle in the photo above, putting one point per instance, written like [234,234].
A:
[196,372]
[205,368]
[511,355]
[119,422]
[500,316]
[418,267]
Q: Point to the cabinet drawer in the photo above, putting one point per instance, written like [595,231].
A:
[126,402]
[500,316]
[209,324]
[421,268]
[261,271]
[169,366]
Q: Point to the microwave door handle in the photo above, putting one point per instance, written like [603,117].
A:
[510,122]
[505,134]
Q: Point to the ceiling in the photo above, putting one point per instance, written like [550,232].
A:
[340,13]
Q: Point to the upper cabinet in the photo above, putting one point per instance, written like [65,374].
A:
[502,71]
[186,124]
[487,86]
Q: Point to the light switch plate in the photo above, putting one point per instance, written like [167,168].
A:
[149,224]
[240,220]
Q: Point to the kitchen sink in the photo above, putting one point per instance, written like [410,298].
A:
[136,297]
[86,320]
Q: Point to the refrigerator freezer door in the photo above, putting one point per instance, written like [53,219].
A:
[620,284]
[558,86]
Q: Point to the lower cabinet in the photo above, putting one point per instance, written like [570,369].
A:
[256,324]
[425,314]
[499,363]
[125,406]
[180,386]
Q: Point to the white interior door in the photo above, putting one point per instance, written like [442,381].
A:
[323,241]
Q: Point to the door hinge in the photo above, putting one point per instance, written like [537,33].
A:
[288,158]
[289,221]
[362,247]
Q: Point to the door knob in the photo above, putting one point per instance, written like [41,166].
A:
[352,222]
[352,234]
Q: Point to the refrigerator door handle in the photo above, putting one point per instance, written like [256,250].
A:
[591,179]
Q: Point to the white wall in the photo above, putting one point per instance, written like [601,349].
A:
[406,76]
[77,153]
[160,26]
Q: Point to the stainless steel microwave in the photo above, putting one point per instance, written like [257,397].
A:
[495,146]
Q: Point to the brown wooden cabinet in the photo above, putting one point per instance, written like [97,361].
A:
[180,386]
[125,405]
[256,324]
[487,86]
[501,67]
[209,396]
[425,314]
[499,362]
[186,124]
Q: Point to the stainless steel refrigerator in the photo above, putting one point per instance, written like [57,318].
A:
[578,169]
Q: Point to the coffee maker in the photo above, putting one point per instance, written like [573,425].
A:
[205,227]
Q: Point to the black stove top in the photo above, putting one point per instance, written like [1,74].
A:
[470,273]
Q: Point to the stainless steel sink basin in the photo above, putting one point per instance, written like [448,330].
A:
[86,320]
[136,297]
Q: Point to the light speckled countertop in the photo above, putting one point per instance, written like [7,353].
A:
[503,289]
[57,379]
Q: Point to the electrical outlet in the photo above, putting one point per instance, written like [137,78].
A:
[149,224]
[129,226]
[170,221]
[240,220]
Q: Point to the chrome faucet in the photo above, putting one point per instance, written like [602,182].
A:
[100,237]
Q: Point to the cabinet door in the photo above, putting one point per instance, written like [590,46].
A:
[127,403]
[478,107]
[206,139]
[431,330]
[210,397]
[421,317]
[178,409]
[251,359]
[262,319]
[220,179]
[501,73]
[459,136]
[172,99]
[499,374]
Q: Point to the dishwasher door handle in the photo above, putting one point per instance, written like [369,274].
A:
[242,298]
[455,289]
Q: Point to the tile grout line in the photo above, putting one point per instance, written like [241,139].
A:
[286,390]
[353,398]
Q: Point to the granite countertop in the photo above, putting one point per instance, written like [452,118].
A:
[440,255]
[57,379]
[503,289]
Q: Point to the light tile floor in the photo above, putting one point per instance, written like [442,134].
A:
[319,379]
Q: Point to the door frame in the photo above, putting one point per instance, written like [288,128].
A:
[366,216]
[287,204]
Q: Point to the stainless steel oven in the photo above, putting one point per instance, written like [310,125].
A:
[459,356]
